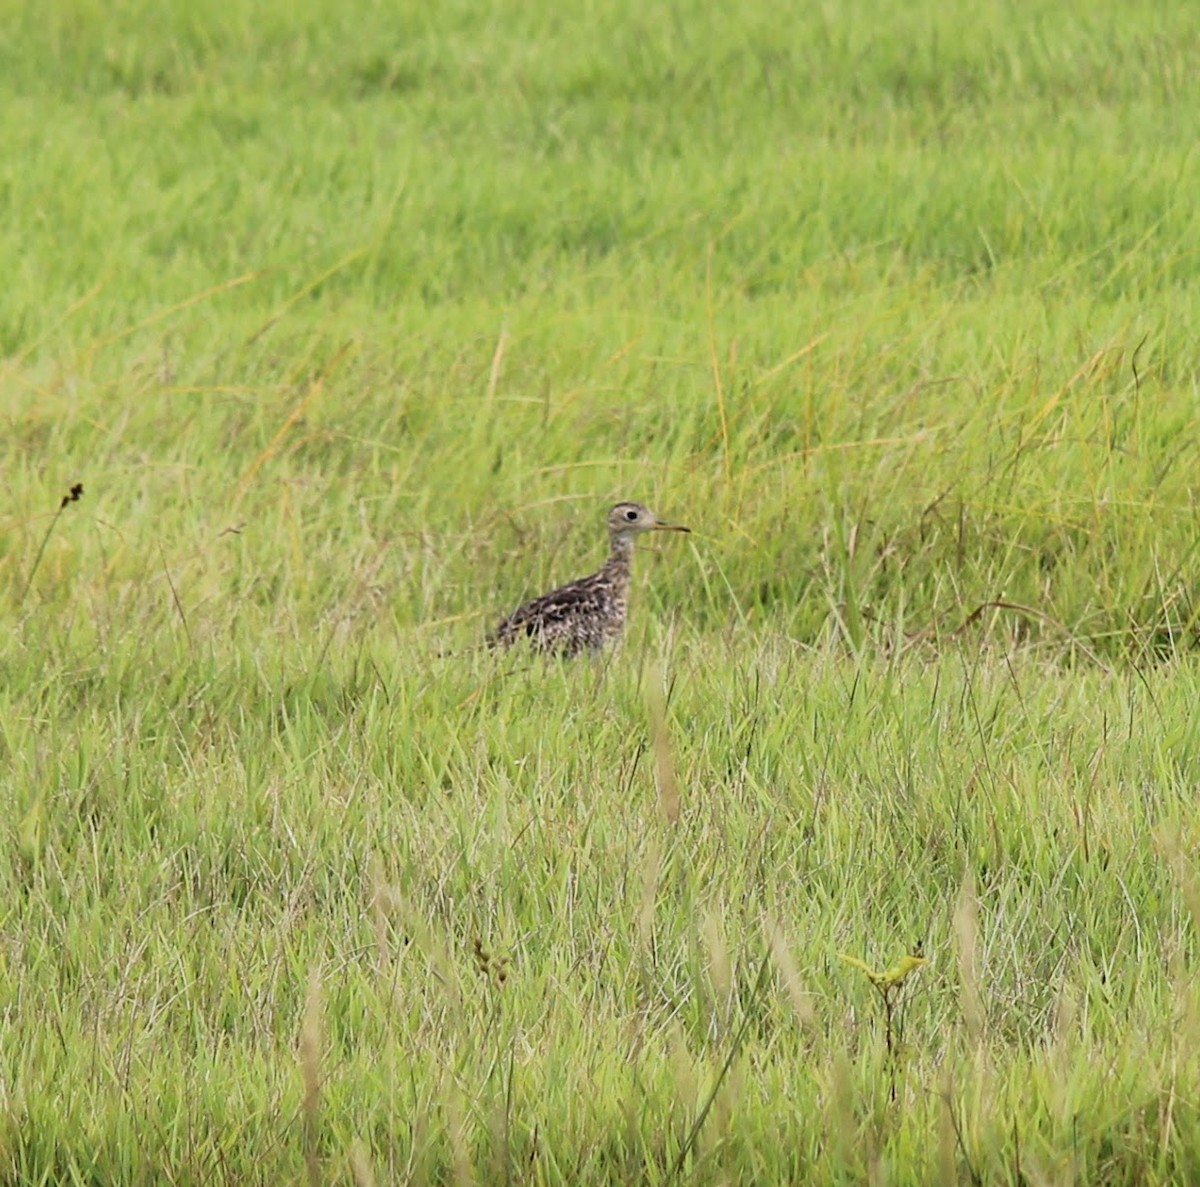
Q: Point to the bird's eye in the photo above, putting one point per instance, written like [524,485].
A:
[631,515]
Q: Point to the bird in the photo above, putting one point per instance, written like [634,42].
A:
[589,613]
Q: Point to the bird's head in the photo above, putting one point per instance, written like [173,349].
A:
[627,520]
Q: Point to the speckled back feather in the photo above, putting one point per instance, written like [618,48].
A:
[581,616]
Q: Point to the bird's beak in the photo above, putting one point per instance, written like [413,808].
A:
[670,527]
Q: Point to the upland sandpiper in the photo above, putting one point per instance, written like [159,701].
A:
[587,614]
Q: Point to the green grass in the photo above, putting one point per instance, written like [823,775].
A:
[352,320]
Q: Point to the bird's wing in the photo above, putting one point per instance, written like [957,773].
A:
[578,599]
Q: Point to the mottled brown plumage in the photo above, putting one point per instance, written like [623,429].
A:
[587,614]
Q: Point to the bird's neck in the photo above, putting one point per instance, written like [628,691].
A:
[620,557]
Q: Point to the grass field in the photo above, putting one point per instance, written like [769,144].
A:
[352,321]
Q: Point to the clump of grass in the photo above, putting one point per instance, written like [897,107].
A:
[310,1068]
[890,985]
